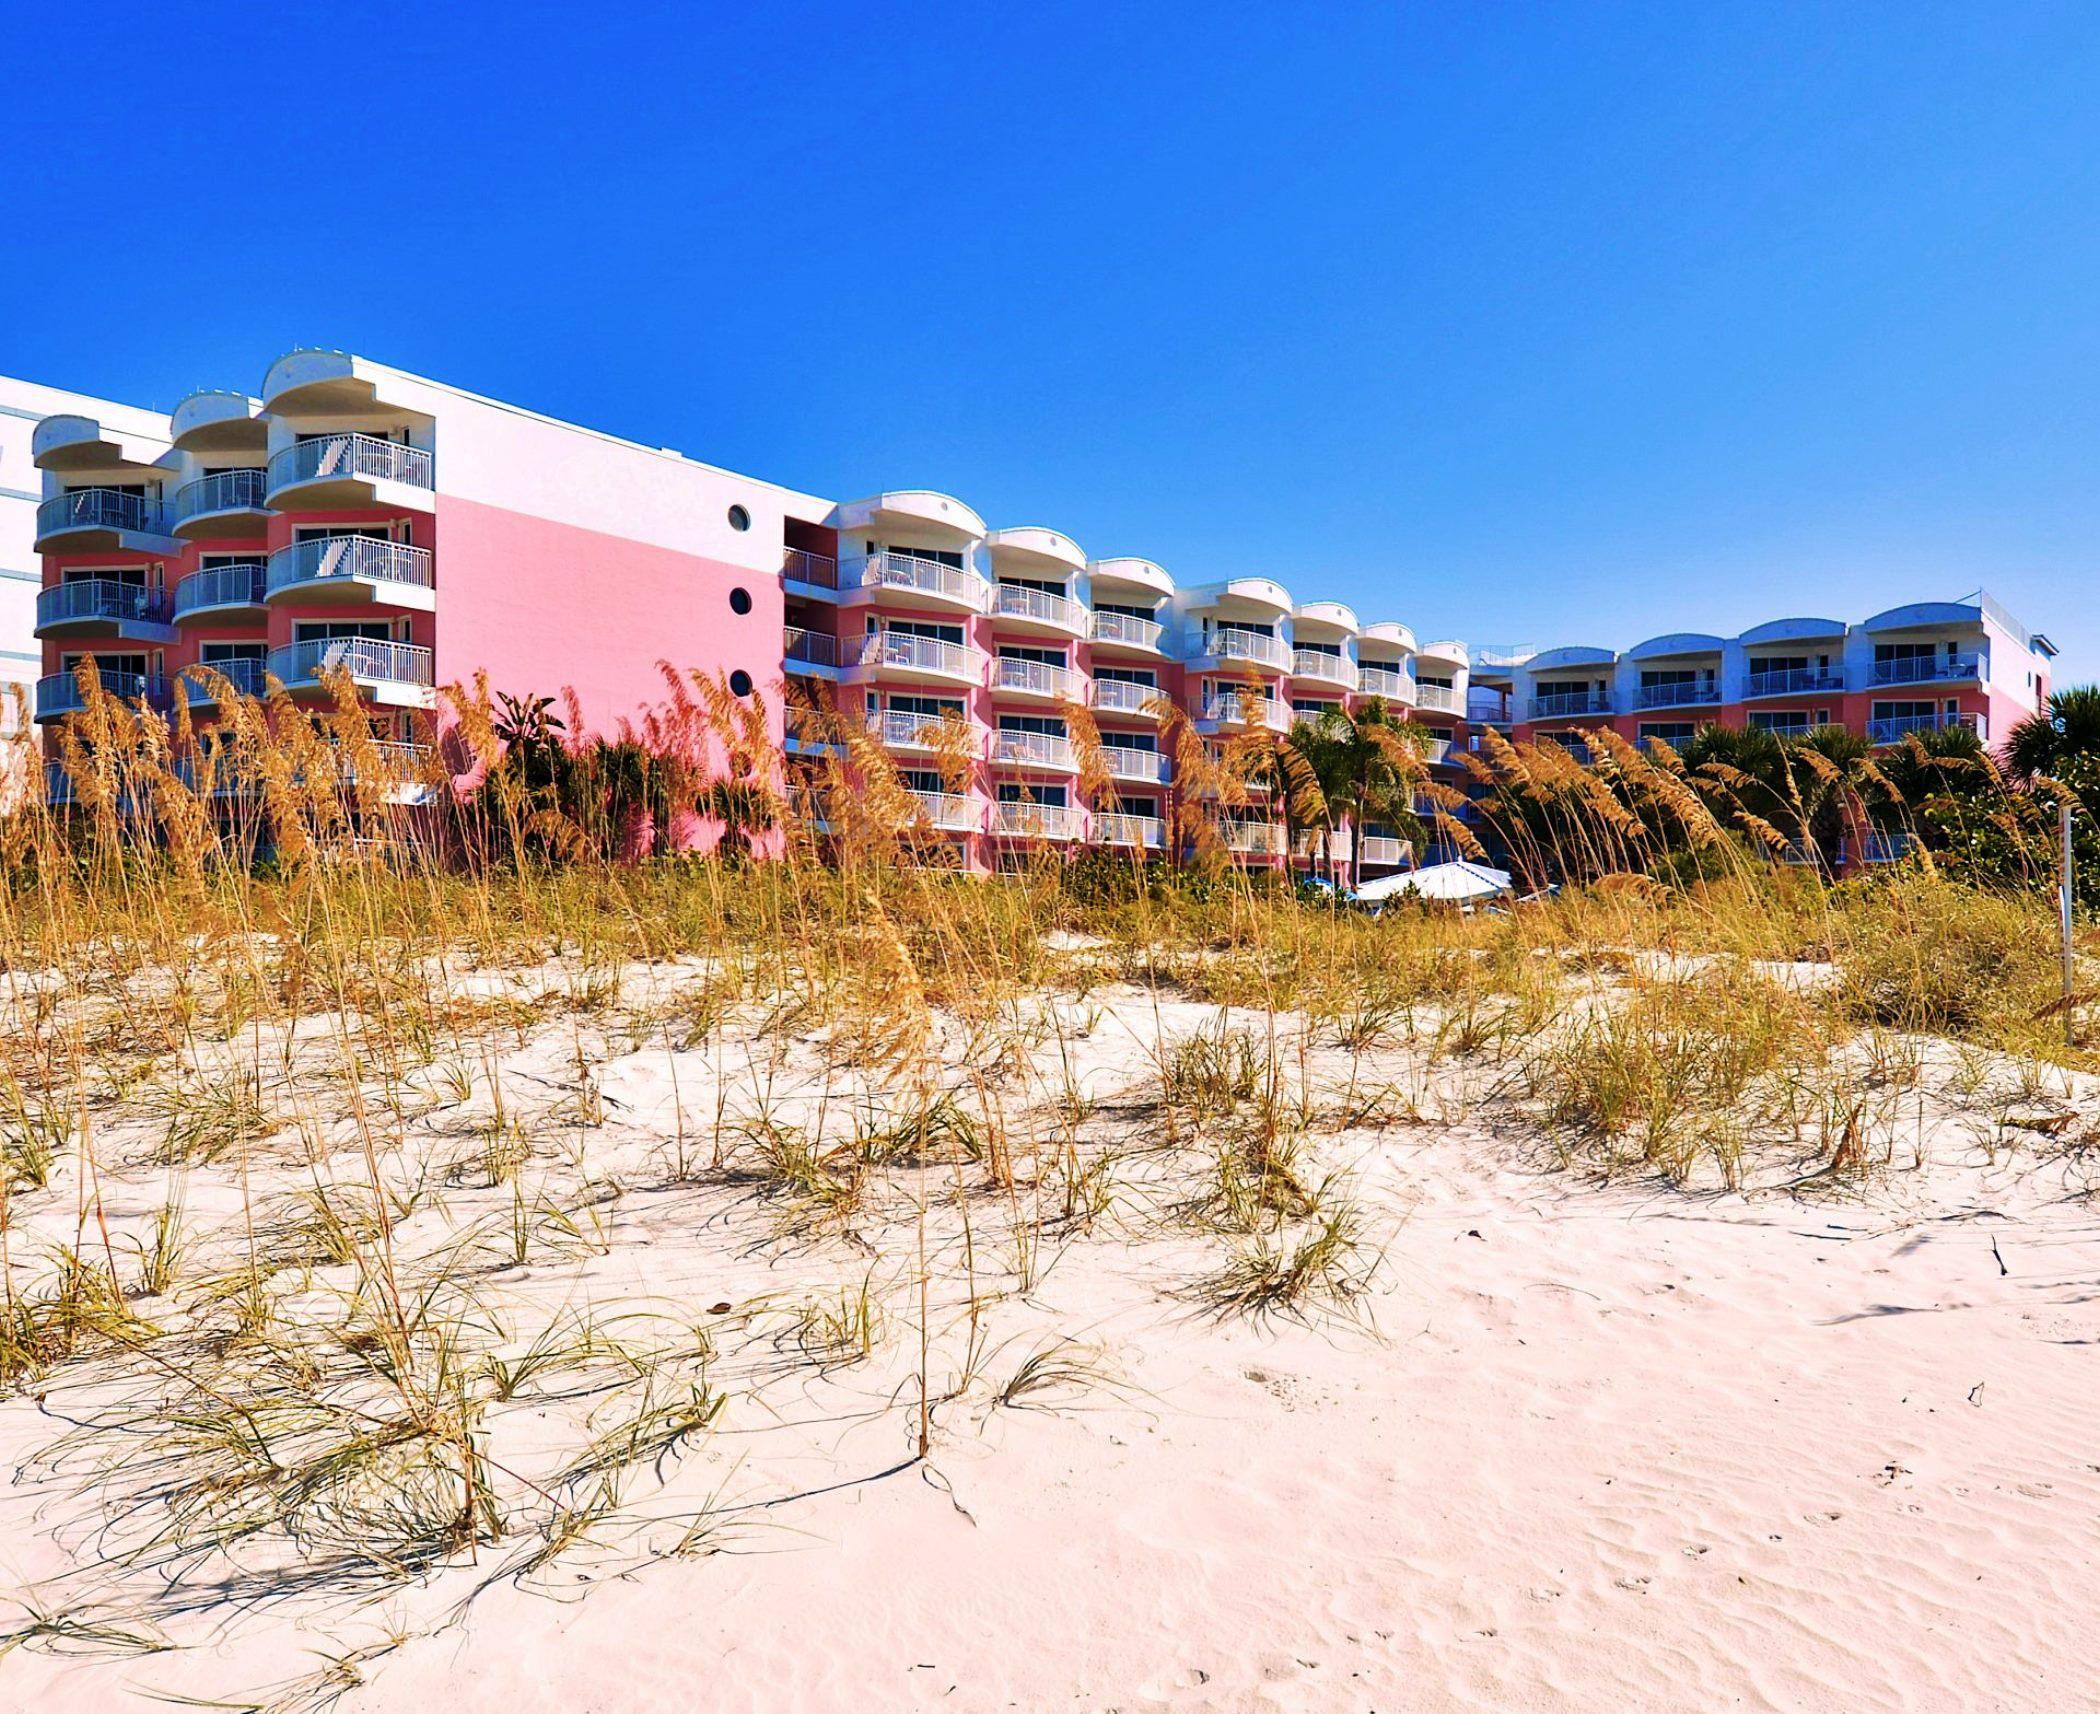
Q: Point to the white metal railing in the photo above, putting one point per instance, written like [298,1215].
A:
[1141,831]
[360,457]
[361,657]
[1393,685]
[242,584]
[1231,709]
[1923,669]
[1014,602]
[1230,643]
[103,598]
[1550,705]
[819,571]
[1487,707]
[1893,727]
[1254,838]
[899,729]
[1436,698]
[246,674]
[1339,844]
[1143,767]
[1382,850]
[60,693]
[922,654]
[328,558]
[1329,669]
[221,491]
[1122,628]
[1033,750]
[1677,693]
[1120,696]
[894,569]
[101,509]
[809,648]
[1793,681]
[1034,820]
[948,811]
[1037,678]
[1438,750]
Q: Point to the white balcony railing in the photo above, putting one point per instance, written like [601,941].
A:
[1382,851]
[1034,820]
[108,600]
[1254,838]
[220,491]
[809,648]
[101,509]
[352,457]
[1555,704]
[1339,844]
[1436,698]
[949,812]
[1386,682]
[1122,628]
[1926,669]
[1327,668]
[1120,696]
[239,585]
[1011,602]
[1035,678]
[247,675]
[899,729]
[1230,643]
[1033,750]
[60,693]
[919,654]
[343,558]
[1141,767]
[818,571]
[1896,727]
[892,569]
[1140,832]
[1793,681]
[369,658]
[1677,693]
[1229,708]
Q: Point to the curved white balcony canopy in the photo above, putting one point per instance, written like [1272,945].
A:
[1672,645]
[1324,621]
[1797,630]
[1126,576]
[1031,551]
[217,421]
[1244,597]
[909,510]
[342,388]
[1574,655]
[1386,640]
[1447,652]
[1925,615]
[83,446]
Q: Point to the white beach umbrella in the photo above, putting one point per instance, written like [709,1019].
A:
[1452,882]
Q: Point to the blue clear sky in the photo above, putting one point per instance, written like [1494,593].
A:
[1566,324]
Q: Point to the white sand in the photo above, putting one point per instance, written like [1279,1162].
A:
[1583,1448]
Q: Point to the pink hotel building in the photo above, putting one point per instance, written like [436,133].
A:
[412,534]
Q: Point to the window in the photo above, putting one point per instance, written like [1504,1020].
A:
[1780,720]
[740,683]
[919,628]
[216,654]
[1050,797]
[1424,678]
[1128,612]
[1042,586]
[936,556]
[740,601]
[1047,724]
[1045,657]
[739,519]
[1127,675]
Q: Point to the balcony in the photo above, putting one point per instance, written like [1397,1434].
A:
[813,571]
[223,591]
[1679,693]
[1557,705]
[1436,698]
[1382,851]
[950,813]
[898,729]
[1437,751]
[103,607]
[1034,821]
[1038,680]
[60,693]
[1229,643]
[227,502]
[1136,767]
[394,673]
[910,581]
[1929,669]
[1034,750]
[1253,838]
[1135,832]
[1307,845]
[1228,708]
[1120,696]
[1387,682]
[901,655]
[1017,609]
[1326,668]
[1121,631]
[1895,728]
[90,519]
[352,571]
[1487,707]
[200,683]
[810,654]
[346,471]
[1793,681]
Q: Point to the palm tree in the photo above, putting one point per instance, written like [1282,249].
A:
[2062,742]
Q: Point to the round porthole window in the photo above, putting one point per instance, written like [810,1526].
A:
[740,682]
[739,519]
[740,601]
